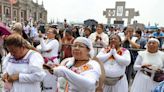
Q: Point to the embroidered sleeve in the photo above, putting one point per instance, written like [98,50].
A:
[123,59]
[81,81]
[103,56]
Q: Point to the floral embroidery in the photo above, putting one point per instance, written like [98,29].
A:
[81,69]
[86,67]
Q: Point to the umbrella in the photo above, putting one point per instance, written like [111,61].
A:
[4,30]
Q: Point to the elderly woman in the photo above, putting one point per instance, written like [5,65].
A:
[147,63]
[84,72]
[49,49]
[22,67]
[115,59]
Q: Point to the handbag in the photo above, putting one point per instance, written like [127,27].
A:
[158,76]
[112,80]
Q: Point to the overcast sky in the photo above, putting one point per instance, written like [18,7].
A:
[79,10]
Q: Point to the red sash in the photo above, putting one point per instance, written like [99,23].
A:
[51,59]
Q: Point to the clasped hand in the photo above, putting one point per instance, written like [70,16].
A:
[10,78]
[151,67]
[112,51]
[98,37]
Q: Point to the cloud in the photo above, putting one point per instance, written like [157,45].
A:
[80,10]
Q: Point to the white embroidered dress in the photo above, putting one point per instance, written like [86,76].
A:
[143,82]
[115,68]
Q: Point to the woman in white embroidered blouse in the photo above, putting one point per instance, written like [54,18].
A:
[49,49]
[146,64]
[84,72]
[22,67]
[115,59]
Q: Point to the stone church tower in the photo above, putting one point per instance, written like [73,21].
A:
[22,10]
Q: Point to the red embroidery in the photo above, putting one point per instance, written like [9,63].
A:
[81,69]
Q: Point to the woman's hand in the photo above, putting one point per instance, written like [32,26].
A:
[97,38]
[113,50]
[48,50]
[5,77]
[13,77]
[54,65]
[146,66]
[50,67]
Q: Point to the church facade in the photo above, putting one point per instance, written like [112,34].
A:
[22,10]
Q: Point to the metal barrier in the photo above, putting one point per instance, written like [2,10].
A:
[97,48]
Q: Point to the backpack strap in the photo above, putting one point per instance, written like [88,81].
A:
[102,76]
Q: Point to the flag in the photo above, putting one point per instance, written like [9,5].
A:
[13,1]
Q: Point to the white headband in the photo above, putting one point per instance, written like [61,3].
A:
[84,41]
[153,40]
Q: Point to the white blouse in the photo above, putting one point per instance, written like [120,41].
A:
[154,59]
[116,67]
[50,44]
[80,79]
[104,41]
[30,71]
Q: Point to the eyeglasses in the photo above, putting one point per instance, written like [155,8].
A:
[79,46]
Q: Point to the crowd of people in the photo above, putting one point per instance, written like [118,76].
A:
[62,60]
